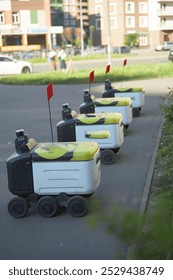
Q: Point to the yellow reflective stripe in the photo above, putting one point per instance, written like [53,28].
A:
[103,118]
[88,120]
[98,134]
[131,89]
[121,101]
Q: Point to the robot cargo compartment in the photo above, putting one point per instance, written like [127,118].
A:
[115,134]
[73,177]
[137,97]
[126,111]
[113,101]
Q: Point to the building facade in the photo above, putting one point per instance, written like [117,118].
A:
[152,19]
[120,17]
[76,18]
[25,25]
[165,20]
[36,24]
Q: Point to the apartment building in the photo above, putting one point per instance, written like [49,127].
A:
[25,25]
[35,24]
[119,17]
[75,13]
[152,19]
[165,22]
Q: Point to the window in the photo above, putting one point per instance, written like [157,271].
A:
[72,2]
[112,8]
[143,7]
[130,21]
[98,1]
[65,8]
[143,21]
[98,10]
[98,24]
[72,15]
[143,40]
[72,9]
[15,17]
[66,15]
[65,2]
[66,22]
[113,22]
[130,7]
[5,59]
[73,22]
[2,18]
[34,18]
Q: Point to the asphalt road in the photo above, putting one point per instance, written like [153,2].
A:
[137,57]
[64,237]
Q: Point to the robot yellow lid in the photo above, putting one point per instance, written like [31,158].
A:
[65,151]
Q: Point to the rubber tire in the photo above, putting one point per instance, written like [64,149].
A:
[25,69]
[77,206]
[126,126]
[107,157]
[18,207]
[136,112]
[47,206]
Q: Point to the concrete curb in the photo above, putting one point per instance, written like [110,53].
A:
[148,182]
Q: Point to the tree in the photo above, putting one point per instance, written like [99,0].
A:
[132,40]
[90,39]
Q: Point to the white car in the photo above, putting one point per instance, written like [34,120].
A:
[166,46]
[9,65]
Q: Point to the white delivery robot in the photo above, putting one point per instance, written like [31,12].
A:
[137,95]
[104,128]
[51,176]
[122,105]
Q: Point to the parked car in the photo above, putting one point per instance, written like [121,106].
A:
[170,56]
[8,65]
[95,50]
[29,55]
[121,49]
[166,46]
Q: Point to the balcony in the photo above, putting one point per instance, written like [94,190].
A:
[166,1]
[165,13]
[85,17]
[166,26]
[84,4]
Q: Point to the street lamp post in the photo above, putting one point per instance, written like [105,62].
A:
[81,29]
[108,36]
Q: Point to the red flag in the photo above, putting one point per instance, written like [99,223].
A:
[49,91]
[125,62]
[108,68]
[91,77]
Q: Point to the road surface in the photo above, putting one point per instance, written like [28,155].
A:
[142,57]
[64,237]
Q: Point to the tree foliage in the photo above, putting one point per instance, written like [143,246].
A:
[131,40]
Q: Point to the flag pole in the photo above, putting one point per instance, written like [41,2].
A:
[49,96]
[50,118]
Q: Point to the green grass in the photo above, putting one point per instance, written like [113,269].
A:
[136,72]
[79,57]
